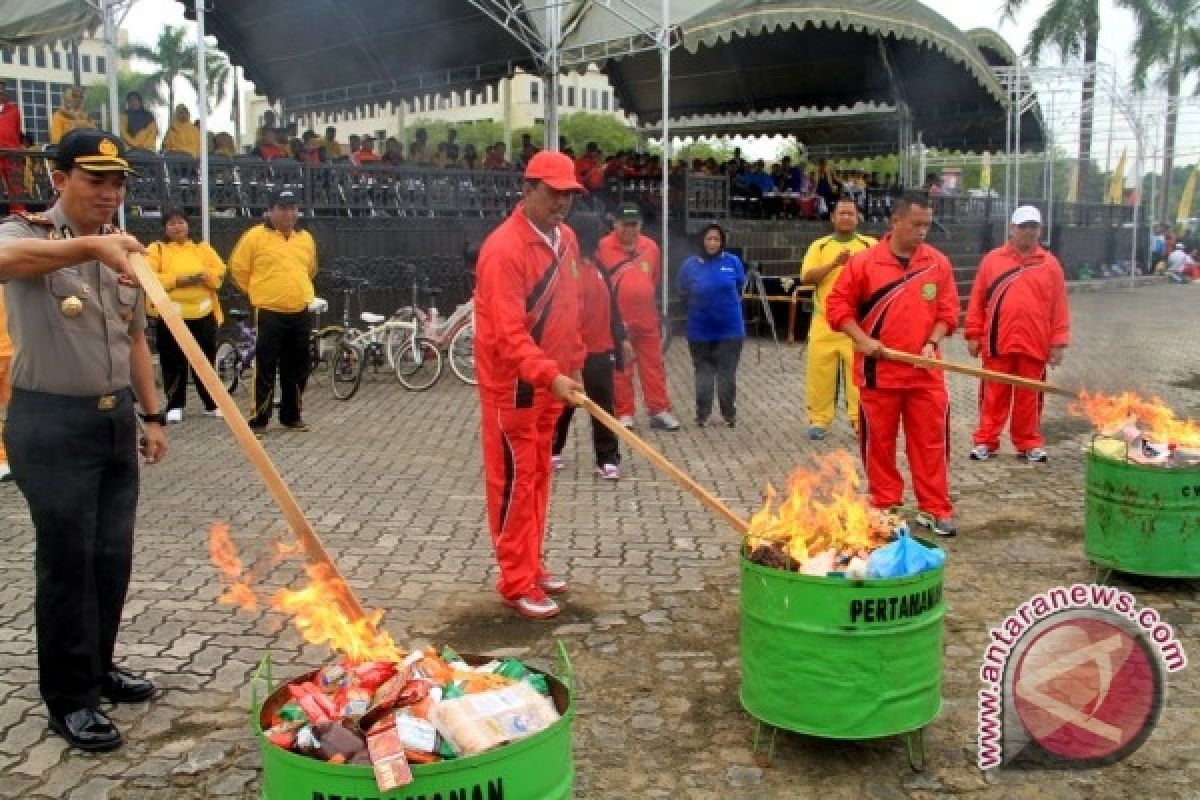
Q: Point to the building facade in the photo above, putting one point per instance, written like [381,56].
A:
[516,102]
[36,77]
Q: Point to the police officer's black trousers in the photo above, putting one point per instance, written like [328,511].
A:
[175,367]
[283,347]
[77,465]
[598,384]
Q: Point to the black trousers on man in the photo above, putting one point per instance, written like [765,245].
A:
[716,362]
[598,384]
[175,367]
[282,347]
[76,461]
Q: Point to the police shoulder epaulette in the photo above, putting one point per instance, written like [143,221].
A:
[32,218]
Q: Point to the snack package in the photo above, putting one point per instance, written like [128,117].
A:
[479,722]
[388,759]
[903,557]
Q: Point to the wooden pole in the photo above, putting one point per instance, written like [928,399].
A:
[250,445]
[659,460]
[977,372]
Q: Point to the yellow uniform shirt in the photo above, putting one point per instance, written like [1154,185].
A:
[182,137]
[172,261]
[276,273]
[332,148]
[62,124]
[820,253]
[145,139]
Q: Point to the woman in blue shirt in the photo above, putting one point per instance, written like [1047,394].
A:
[710,285]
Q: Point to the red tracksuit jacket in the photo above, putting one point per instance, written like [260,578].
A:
[1018,304]
[526,312]
[897,306]
[599,320]
[635,276]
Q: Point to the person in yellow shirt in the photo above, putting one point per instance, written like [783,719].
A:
[6,352]
[191,272]
[70,115]
[183,136]
[830,353]
[333,150]
[223,145]
[274,264]
[139,129]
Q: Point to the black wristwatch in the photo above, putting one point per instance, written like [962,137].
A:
[159,419]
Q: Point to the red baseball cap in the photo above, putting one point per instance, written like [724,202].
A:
[554,169]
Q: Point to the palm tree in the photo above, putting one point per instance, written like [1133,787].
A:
[1073,27]
[217,73]
[1168,38]
[172,56]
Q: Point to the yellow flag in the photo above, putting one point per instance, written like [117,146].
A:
[1185,199]
[1116,184]
[985,172]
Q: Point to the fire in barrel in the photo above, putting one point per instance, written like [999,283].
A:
[1142,510]
[380,721]
[841,612]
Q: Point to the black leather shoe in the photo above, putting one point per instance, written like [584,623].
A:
[121,686]
[87,729]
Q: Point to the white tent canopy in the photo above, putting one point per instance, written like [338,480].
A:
[35,22]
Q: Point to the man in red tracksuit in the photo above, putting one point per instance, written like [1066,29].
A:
[900,294]
[1018,320]
[527,343]
[634,266]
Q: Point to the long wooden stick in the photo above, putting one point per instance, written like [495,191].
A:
[250,445]
[659,460]
[977,372]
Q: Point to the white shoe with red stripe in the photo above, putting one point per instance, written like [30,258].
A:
[534,604]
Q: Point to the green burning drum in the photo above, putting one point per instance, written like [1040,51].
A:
[1140,519]
[537,768]
[838,658]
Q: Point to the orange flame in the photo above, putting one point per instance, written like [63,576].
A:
[1109,414]
[315,610]
[223,553]
[823,509]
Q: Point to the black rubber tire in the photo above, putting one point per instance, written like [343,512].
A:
[345,370]
[420,366]
[225,362]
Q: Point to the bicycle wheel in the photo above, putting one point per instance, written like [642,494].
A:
[462,354]
[345,370]
[395,340]
[321,344]
[226,364]
[418,367]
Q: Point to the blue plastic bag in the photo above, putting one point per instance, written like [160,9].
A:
[903,557]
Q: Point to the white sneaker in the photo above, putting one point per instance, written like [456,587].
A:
[5,472]
[174,415]
[216,412]
[534,604]
[609,472]
[558,462]
[627,421]
[664,420]
[981,452]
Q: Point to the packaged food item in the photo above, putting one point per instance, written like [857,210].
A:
[335,739]
[388,759]
[478,722]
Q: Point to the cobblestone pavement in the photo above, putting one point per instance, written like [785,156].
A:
[392,483]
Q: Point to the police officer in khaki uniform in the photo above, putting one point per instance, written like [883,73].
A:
[77,322]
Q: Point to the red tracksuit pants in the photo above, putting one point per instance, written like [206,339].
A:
[516,475]
[996,400]
[647,347]
[925,414]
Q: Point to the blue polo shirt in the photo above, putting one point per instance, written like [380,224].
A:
[713,290]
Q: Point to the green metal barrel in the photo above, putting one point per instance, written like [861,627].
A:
[841,659]
[537,768]
[1141,519]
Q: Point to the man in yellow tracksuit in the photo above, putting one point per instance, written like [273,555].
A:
[274,264]
[830,354]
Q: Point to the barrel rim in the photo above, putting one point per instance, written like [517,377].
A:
[840,582]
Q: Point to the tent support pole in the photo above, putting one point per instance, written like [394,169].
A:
[202,112]
[665,51]
[114,103]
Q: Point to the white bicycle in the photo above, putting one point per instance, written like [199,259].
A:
[454,335]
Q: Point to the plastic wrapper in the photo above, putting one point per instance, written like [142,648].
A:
[479,722]
[388,759]
[819,565]
[903,557]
